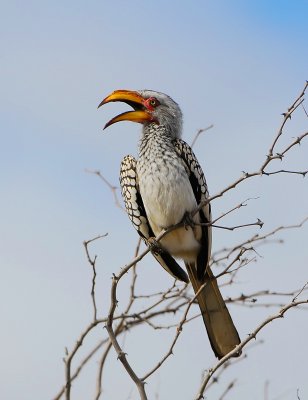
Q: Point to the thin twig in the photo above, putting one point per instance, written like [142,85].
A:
[301,291]
[227,390]
[70,356]
[92,263]
[110,186]
[80,367]
[112,334]
[232,228]
[118,330]
[178,332]
[270,156]
[199,133]
[303,173]
[122,357]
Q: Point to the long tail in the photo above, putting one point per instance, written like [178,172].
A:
[217,319]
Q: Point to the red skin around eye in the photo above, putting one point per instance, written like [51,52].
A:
[147,103]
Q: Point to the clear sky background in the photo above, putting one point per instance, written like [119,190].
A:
[236,64]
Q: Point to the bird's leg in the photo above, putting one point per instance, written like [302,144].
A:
[154,246]
[188,221]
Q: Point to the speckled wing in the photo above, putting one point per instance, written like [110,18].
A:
[217,319]
[199,186]
[137,214]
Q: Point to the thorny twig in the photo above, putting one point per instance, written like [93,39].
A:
[121,355]
[178,332]
[92,263]
[70,356]
[119,328]
[270,156]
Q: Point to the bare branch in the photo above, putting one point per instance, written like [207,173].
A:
[92,263]
[80,367]
[70,356]
[227,390]
[112,334]
[232,228]
[270,156]
[238,348]
[199,133]
[178,332]
[305,111]
[122,357]
[300,292]
[287,115]
[303,173]
[110,186]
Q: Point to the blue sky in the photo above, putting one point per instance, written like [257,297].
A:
[235,64]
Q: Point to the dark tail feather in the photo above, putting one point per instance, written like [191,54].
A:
[217,319]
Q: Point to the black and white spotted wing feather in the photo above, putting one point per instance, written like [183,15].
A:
[218,322]
[137,214]
[199,186]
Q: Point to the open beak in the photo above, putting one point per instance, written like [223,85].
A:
[135,100]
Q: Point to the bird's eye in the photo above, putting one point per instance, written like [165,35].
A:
[153,102]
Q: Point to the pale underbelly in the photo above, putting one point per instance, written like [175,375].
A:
[166,201]
[182,243]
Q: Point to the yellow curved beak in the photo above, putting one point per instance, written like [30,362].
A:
[135,100]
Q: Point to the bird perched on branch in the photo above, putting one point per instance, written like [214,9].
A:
[163,188]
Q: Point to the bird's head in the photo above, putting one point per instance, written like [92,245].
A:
[150,109]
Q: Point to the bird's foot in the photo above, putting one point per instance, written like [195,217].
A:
[154,246]
[188,221]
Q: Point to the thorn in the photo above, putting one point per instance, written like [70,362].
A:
[121,355]
[287,115]
[252,335]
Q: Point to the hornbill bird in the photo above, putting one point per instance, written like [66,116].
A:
[163,188]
